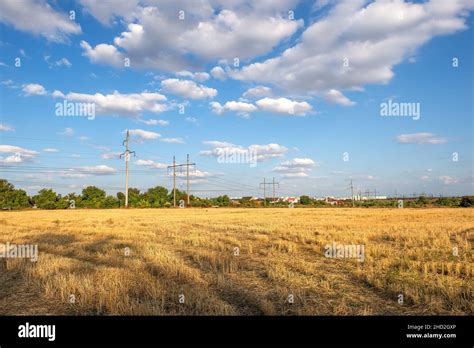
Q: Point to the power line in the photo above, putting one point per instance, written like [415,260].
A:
[174,166]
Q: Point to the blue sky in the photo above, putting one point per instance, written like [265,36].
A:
[305,97]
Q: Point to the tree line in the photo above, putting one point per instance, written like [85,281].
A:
[161,197]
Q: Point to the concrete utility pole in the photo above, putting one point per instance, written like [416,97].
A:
[174,166]
[187,180]
[174,182]
[126,154]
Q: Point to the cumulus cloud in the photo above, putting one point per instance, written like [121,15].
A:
[209,33]
[218,73]
[196,174]
[278,106]
[141,135]
[16,154]
[187,89]
[258,92]
[130,105]
[420,138]
[242,108]
[106,11]
[151,164]
[284,106]
[38,18]
[63,62]
[30,89]
[336,97]
[295,168]
[198,76]
[6,128]
[103,54]
[356,43]
[260,152]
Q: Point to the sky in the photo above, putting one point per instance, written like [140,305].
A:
[311,94]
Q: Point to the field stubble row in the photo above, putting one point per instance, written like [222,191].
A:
[238,262]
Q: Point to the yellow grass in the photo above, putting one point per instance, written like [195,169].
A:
[238,261]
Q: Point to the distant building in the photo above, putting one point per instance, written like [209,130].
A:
[288,199]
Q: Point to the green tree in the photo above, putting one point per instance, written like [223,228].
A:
[179,195]
[10,198]
[221,201]
[134,197]
[121,199]
[467,201]
[92,197]
[156,196]
[305,200]
[110,202]
[46,199]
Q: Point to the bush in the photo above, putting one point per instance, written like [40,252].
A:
[467,201]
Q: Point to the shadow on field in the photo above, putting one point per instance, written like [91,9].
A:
[53,239]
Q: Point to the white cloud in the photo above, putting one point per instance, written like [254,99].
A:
[6,128]
[196,173]
[33,89]
[110,155]
[51,150]
[218,73]
[216,143]
[18,154]
[284,106]
[38,18]
[105,11]
[68,132]
[151,164]
[103,54]
[187,89]
[449,180]
[217,108]
[141,135]
[258,92]
[153,122]
[58,94]
[130,105]
[336,97]
[420,138]
[86,171]
[209,33]
[191,119]
[262,152]
[295,168]
[370,37]
[198,76]
[241,108]
[63,62]
[172,140]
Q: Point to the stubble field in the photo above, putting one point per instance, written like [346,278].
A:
[238,262]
